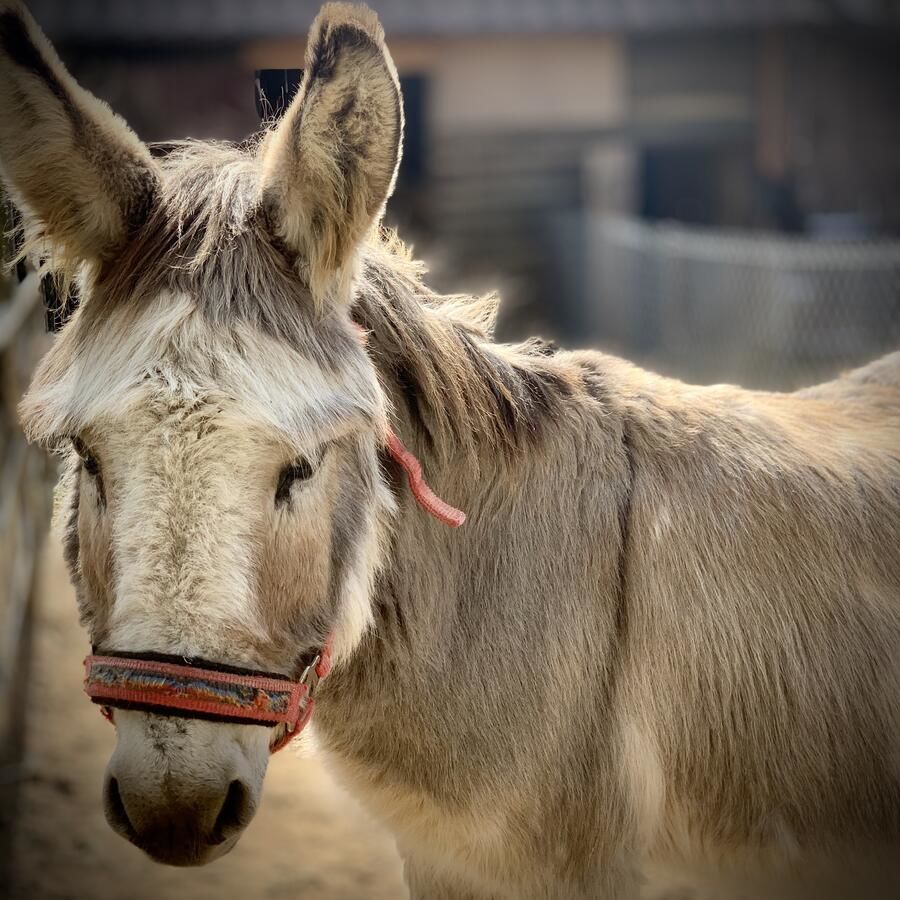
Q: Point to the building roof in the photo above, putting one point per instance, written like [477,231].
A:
[164,21]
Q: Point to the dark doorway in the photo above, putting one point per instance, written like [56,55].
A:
[698,183]
[676,184]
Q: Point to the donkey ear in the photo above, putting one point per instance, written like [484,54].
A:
[78,173]
[330,165]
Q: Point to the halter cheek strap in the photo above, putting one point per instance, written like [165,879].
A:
[425,496]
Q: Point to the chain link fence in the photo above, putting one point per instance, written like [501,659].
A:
[763,310]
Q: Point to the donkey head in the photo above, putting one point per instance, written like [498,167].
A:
[219,417]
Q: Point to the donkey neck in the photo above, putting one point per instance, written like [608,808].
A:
[469,622]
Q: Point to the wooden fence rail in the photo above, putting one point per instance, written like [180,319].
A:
[25,500]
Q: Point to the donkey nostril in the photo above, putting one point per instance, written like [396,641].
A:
[116,812]
[234,814]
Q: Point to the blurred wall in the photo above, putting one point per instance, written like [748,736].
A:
[519,142]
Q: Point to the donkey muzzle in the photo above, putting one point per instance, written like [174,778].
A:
[183,791]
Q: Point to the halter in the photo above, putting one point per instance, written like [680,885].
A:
[191,688]
[196,689]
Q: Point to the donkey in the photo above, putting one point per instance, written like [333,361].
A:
[663,652]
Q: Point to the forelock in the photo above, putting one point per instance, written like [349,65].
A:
[99,371]
[208,237]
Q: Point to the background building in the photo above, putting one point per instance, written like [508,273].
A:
[529,124]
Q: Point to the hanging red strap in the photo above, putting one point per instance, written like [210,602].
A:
[425,496]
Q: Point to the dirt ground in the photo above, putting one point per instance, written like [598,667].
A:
[309,838]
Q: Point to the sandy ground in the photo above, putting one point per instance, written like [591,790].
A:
[309,838]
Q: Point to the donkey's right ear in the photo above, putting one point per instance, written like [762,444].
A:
[78,173]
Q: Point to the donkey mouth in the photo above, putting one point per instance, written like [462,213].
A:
[186,857]
[185,854]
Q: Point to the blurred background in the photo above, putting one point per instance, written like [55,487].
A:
[710,187]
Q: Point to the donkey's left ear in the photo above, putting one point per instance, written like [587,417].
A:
[330,165]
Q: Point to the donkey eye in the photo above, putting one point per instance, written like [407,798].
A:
[91,465]
[299,470]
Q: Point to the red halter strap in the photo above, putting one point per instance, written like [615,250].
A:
[425,496]
[176,686]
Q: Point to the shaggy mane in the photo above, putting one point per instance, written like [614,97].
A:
[437,353]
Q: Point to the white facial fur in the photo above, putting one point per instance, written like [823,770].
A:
[190,455]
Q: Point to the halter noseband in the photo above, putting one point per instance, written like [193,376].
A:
[177,686]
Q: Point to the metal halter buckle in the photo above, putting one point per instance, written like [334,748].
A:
[311,678]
